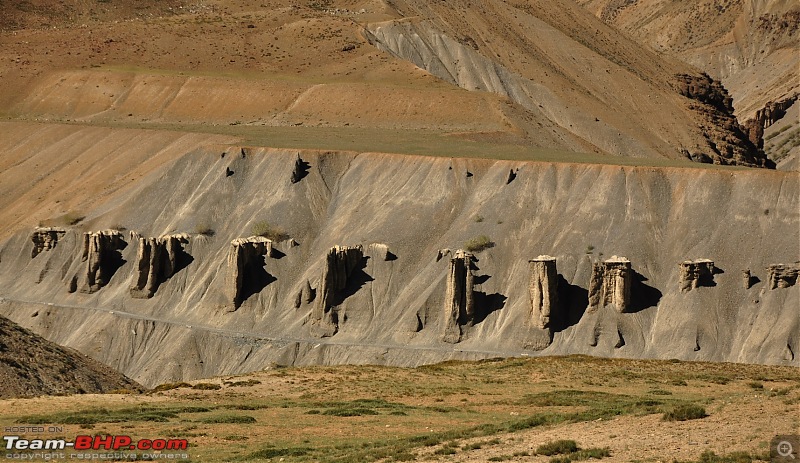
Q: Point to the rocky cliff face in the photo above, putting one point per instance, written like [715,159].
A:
[391,304]
[724,136]
[782,275]
[771,113]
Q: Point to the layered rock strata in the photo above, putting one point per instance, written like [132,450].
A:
[782,275]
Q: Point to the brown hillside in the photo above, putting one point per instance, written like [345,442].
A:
[31,366]
[753,47]
[549,74]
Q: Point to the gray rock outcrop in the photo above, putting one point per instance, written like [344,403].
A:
[542,288]
[102,256]
[694,273]
[610,284]
[459,303]
[340,264]
[156,261]
[782,275]
[242,253]
[45,239]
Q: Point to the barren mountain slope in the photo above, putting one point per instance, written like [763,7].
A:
[752,46]
[392,304]
[559,77]
[32,366]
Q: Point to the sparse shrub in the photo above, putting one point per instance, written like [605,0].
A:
[121,391]
[265,229]
[478,244]
[228,419]
[235,438]
[206,386]
[203,229]
[557,447]
[479,218]
[71,218]
[685,412]
[755,385]
[169,386]
[446,450]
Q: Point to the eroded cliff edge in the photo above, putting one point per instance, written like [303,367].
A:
[392,304]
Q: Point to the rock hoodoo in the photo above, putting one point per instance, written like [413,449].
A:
[300,170]
[340,264]
[694,273]
[783,275]
[45,239]
[747,279]
[610,284]
[243,255]
[156,261]
[101,251]
[459,303]
[543,290]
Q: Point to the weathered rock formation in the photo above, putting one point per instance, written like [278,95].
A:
[300,170]
[747,279]
[771,113]
[727,143]
[380,251]
[101,251]
[610,284]
[156,261]
[694,273]
[782,275]
[459,303]
[243,254]
[543,290]
[45,239]
[340,264]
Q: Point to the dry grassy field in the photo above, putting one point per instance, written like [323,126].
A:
[493,410]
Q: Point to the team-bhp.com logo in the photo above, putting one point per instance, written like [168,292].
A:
[95,443]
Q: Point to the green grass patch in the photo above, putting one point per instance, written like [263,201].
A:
[685,412]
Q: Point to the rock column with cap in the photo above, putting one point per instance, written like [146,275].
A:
[340,263]
[694,273]
[610,284]
[459,305]
[241,253]
[543,290]
[155,263]
[98,252]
